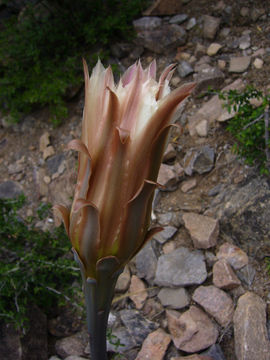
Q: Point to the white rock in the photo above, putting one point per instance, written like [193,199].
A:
[213,49]
[258,63]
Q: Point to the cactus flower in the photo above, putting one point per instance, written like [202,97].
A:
[124,134]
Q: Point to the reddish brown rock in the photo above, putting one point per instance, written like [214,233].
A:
[223,276]
[137,292]
[188,185]
[215,302]
[203,230]
[191,331]
[250,333]
[154,346]
[167,176]
[236,257]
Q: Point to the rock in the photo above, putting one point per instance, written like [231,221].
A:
[164,7]
[75,357]
[244,42]
[221,64]
[213,109]
[214,352]
[166,234]
[208,77]
[210,26]
[120,334]
[188,185]
[146,262]
[72,345]
[122,49]
[154,346]
[123,280]
[174,298]
[199,160]
[10,189]
[202,128]
[247,274]
[236,257]
[191,331]
[258,63]
[203,230]
[138,327]
[192,357]
[167,176]
[191,23]
[182,267]
[10,344]
[47,179]
[65,324]
[244,211]
[167,37]
[55,163]
[184,69]
[170,154]
[152,308]
[49,151]
[213,49]
[239,64]
[147,23]
[178,19]
[223,276]
[44,141]
[137,292]
[256,13]
[15,168]
[251,341]
[215,302]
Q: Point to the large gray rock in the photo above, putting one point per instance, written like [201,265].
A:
[147,23]
[239,64]
[210,26]
[208,76]
[244,213]
[138,327]
[174,298]
[167,37]
[250,333]
[146,262]
[72,345]
[181,267]
[10,189]
[199,160]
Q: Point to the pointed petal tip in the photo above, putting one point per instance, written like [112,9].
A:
[78,145]
[124,135]
[81,203]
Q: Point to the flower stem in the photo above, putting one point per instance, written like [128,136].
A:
[98,294]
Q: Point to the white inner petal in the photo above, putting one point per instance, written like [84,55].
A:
[147,107]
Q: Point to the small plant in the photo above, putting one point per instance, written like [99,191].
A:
[250,125]
[35,266]
[41,49]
